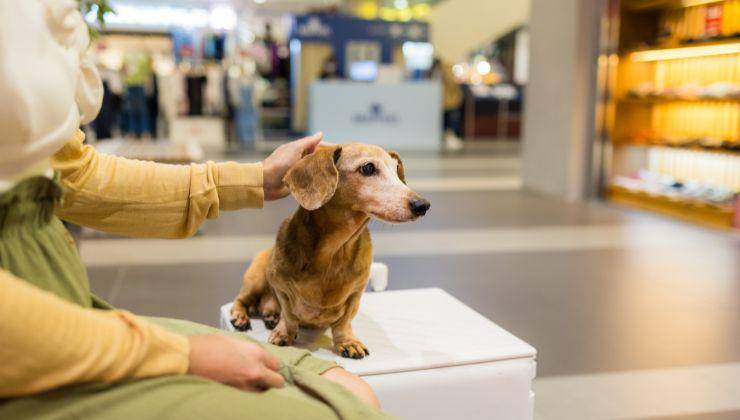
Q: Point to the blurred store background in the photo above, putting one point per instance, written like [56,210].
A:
[582,158]
[244,72]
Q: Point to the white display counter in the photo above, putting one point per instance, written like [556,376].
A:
[400,116]
[431,357]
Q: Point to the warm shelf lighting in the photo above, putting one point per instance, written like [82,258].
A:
[686,52]
[691,3]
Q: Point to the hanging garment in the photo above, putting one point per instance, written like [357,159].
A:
[214,103]
[152,104]
[195,87]
[172,95]
[110,113]
[246,117]
[220,42]
[209,47]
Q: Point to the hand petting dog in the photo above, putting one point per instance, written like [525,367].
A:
[275,166]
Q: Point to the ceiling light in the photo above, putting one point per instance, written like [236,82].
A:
[458,70]
[223,18]
[483,67]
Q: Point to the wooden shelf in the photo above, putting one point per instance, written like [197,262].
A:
[706,43]
[645,5]
[690,210]
[667,99]
[703,149]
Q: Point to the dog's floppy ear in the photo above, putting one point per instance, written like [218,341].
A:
[313,180]
[400,171]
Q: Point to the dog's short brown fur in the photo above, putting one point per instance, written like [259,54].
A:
[319,267]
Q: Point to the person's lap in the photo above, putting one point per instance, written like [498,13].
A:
[306,394]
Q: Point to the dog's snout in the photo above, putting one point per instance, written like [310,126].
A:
[419,206]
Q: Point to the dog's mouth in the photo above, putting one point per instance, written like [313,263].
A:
[393,220]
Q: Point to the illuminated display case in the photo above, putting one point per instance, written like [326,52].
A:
[669,115]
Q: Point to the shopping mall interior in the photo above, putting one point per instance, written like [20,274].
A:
[581,158]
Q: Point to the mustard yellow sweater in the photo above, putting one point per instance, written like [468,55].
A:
[126,197]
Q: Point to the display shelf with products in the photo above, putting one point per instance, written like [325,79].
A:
[674,23]
[673,119]
[687,209]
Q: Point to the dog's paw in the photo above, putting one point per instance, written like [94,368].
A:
[280,338]
[240,320]
[351,348]
[271,320]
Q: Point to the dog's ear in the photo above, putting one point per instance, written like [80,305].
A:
[313,180]
[401,173]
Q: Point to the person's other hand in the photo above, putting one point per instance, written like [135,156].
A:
[275,166]
[233,362]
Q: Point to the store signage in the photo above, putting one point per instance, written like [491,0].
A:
[314,28]
[344,28]
[375,115]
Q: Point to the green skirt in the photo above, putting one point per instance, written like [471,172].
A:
[35,246]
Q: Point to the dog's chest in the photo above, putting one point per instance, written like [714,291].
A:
[321,300]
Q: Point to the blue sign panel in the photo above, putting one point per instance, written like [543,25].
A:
[332,28]
[340,29]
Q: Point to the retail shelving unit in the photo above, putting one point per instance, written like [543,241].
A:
[671,114]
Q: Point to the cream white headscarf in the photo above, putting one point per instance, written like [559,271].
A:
[48,86]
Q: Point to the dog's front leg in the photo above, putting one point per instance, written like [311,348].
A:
[286,331]
[345,342]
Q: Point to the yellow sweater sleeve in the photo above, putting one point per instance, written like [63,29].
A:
[47,342]
[147,199]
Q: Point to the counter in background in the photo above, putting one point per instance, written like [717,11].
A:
[400,116]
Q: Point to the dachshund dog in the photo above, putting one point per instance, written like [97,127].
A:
[316,272]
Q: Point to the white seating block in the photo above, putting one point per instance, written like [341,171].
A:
[431,357]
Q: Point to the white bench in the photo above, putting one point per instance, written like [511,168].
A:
[431,357]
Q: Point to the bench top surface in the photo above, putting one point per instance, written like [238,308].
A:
[413,329]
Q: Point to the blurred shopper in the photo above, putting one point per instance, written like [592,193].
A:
[245,90]
[137,69]
[452,98]
[68,354]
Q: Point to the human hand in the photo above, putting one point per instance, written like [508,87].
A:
[275,166]
[233,362]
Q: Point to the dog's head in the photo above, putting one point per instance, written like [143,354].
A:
[356,177]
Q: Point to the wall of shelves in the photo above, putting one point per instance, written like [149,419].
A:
[674,133]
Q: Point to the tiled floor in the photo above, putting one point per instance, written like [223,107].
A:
[633,316]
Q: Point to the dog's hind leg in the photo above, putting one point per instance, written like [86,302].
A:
[253,287]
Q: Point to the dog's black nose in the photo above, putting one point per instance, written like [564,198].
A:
[419,206]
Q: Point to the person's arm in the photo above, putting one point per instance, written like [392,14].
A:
[47,342]
[137,198]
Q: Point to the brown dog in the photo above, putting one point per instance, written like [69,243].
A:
[319,267]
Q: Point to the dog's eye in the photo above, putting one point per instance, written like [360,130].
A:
[367,169]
